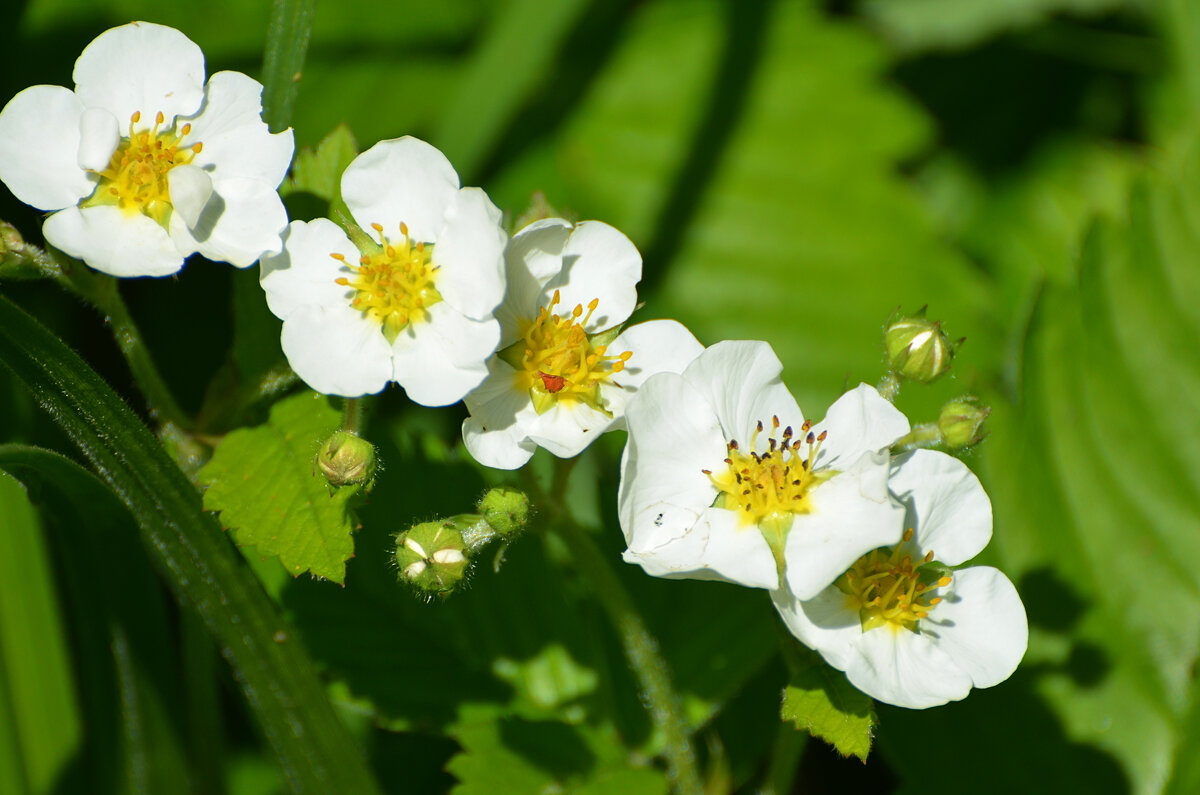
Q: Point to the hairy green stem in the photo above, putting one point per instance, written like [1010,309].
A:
[287,44]
[354,418]
[889,387]
[922,436]
[102,292]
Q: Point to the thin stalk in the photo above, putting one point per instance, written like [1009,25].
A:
[889,387]
[922,436]
[287,44]
[354,418]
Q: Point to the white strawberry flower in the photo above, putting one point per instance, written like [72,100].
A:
[564,375]
[144,163]
[411,299]
[905,627]
[723,478]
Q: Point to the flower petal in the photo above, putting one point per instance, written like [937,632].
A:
[237,143]
[113,241]
[533,257]
[741,380]
[190,188]
[718,547]
[141,67]
[598,263]
[826,623]
[336,350]
[496,432]
[39,148]
[441,360]
[906,669]
[657,346]
[99,137]
[947,506]
[858,422]
[402,180]
[469,255]
[304,273]
[851,515]
[673,436]
[981,624]
[242,221]
[568,427]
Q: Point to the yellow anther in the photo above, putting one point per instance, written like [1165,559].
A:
[395,285]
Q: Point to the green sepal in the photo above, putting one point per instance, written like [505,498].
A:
[821,700]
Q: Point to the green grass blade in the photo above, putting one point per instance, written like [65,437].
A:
[277,677]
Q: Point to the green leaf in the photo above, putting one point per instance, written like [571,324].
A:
[758,176]
[35,669]
[129,687]
[913,25]
[319,172]
[516,755]
[263,483]
[822,701]
[314,750]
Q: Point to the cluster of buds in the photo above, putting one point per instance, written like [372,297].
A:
[436,556]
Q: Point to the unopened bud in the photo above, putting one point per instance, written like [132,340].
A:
[960,422]
[917,348]
[347,459]
[506,510]
[432,556]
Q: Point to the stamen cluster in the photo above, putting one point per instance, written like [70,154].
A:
[136,177]
[559,361]
[394,286]
[774,482]
[888,589]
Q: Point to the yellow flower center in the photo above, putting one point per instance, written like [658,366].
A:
[889,590]
[393,286]
[557,361]
[774,484]
[136,177]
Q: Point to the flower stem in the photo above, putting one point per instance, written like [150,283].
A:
[354,417]
[921,436]
[641,650]
[101,291]
[889,387]
[287,44]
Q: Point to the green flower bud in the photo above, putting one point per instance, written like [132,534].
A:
[506,510]
[347,459]
[432,556]
[917,348]
[960,422]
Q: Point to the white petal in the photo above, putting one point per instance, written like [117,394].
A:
[598,263]
[741,380]
[947,506]
[568,427]
[469,255]
[190,189]
[242,221]
[403,180]
[496,432]
[657,346]
[99,137]
[718,547]
[141,67]
[980,624]
[826,623]
[673,436]
[337,351]
[851,515]
[441,360]
[538,248]
[39,148]
[905,668]
[114,241]
[858,422]
[237,143]
[304,273]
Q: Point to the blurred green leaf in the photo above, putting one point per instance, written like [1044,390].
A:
[820,700]
[757,173]
[34,656]
[516,755]
[912,25]
[264,484]
[130,684]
